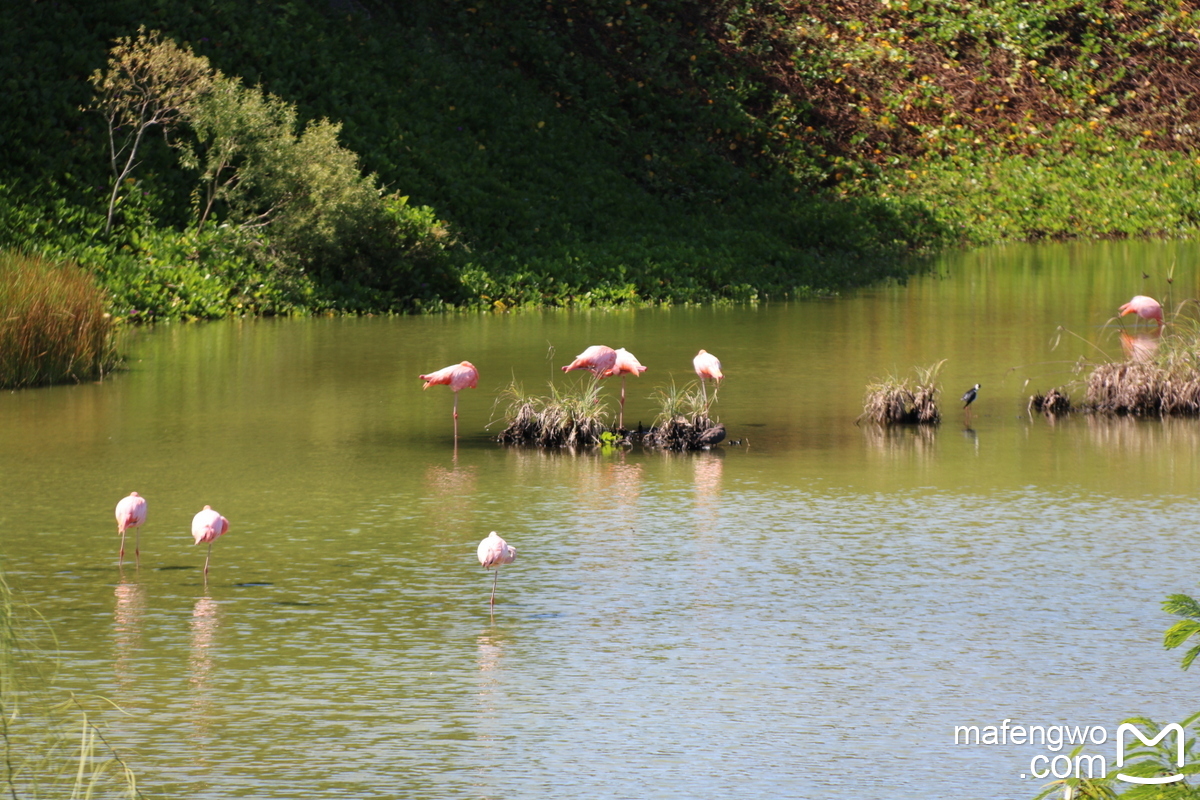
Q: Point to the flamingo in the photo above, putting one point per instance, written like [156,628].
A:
[493,553]
[626,364]
[597,359]
[707,366]
[456,376]
[1144,307]
[207,526]
[131,513]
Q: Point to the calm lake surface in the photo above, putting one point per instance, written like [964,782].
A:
[807,614]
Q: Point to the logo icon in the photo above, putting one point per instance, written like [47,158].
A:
[1128,727]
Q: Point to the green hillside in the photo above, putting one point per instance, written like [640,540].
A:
[585,152]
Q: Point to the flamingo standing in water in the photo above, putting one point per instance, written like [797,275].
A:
[456,376]
[493,553]
[626,364]
[707,366]
[207,526]
[1144,307]
[131,513]
[597,359]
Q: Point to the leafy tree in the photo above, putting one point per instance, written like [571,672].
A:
[150,82]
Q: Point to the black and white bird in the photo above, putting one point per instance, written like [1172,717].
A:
[970,395]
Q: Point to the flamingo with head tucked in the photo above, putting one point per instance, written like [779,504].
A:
[457,377]
[493,553]
[131,513]
[1145,307]
[626,363]
[208,526]
[597,360]
[707,366]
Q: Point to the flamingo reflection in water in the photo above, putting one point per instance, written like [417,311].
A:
[1141,347]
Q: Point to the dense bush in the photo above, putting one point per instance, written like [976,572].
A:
[485,154]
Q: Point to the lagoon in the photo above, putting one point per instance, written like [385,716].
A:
[809,613]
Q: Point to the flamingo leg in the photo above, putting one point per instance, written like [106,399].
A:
[121,557]
[495,580]
[456,417]
[206,560]
[137,539]
[621,416]
[703,392]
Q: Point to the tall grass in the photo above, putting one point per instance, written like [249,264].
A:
[53,326]
[563,419]
[49,745]
[683,418]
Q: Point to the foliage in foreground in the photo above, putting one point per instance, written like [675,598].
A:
[49,746]
[53,324]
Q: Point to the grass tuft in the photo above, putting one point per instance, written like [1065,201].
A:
[911,401]
[53,326]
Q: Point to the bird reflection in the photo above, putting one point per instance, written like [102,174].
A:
[127,630]
[206,619]
[1141,347]
[707,469]
[490,658]
[453,491]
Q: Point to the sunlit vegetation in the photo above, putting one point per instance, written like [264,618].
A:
[580,417]
[904,401]
[384,156]
[50,745]
[53,324]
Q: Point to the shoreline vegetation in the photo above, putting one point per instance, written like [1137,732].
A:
[386,157]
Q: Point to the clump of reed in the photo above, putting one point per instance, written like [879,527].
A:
[683,421]
[53,326]
[1052,403]
[910,401]
[563,419]
[49,745]
[1162,381]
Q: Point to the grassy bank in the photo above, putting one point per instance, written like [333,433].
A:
[589,153]
[53,324]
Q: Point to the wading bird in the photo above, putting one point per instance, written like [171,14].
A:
[626,364]
[1144,307]
[970,395]
[493,553]
[597,359]
[456,376]
[707,366]
[207,526]
[713,436]
[131,513]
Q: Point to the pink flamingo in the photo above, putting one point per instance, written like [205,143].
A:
[707,366]
[493,553]
[1144,307]
[597,359]
[626,364]
[207,526]
[131,513]
[457,377]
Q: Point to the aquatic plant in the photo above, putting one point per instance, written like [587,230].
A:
[1052,403]
[910,401]
[563,419]
[683,421]
[53,325]
[1161,380]
[49,746]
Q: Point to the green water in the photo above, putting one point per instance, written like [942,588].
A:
[806,614]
